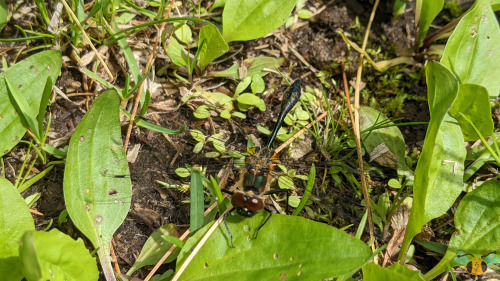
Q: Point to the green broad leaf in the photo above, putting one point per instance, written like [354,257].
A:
[176,52]
[386,146]
[214,45]
[221,100]
[15,220]
[182,172]
[477,224]
[58,256]
[231,72]
[243,85]
[473,48]
[251,99]
[425,12]
[244,20]
[258,64]
[439,172]
[28,77]
[196,219]
[286,247]
[395,272]
[97,201]
[258,84]
[473,101]
[202,112]
[154,248]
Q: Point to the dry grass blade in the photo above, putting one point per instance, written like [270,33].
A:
[68,9]
[357,135]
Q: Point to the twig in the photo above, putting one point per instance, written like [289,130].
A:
[141,87]
[355,124]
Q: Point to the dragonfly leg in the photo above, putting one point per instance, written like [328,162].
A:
[227,227]
[270,214]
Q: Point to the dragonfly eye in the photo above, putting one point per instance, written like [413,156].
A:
[255,204]
[239,200]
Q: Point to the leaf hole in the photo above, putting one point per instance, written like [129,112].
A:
[98,219]
[82,138]
[112,192]
[275,256]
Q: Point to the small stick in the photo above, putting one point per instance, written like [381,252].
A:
[285,144]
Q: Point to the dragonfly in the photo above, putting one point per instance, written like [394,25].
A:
[255,179]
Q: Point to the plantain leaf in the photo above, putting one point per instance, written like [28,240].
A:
[439,172]
[477,224]
[286,248]
[15,219]
[96,201]
[28,77]
[473,48]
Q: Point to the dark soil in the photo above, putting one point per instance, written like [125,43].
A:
[316,41]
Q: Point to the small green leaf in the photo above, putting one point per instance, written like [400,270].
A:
[285,182]
[212,154]
[239,115]
[182,172]
[226,114]
[394,183]
[197,135]
[293,201]
[247,20]
[243,85]
[258,84]
[198,147]
[251,99]
[154,248]
[305,14]
[183,32]
[202,112]
[176,53]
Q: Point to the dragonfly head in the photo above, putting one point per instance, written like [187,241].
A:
[247,205]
